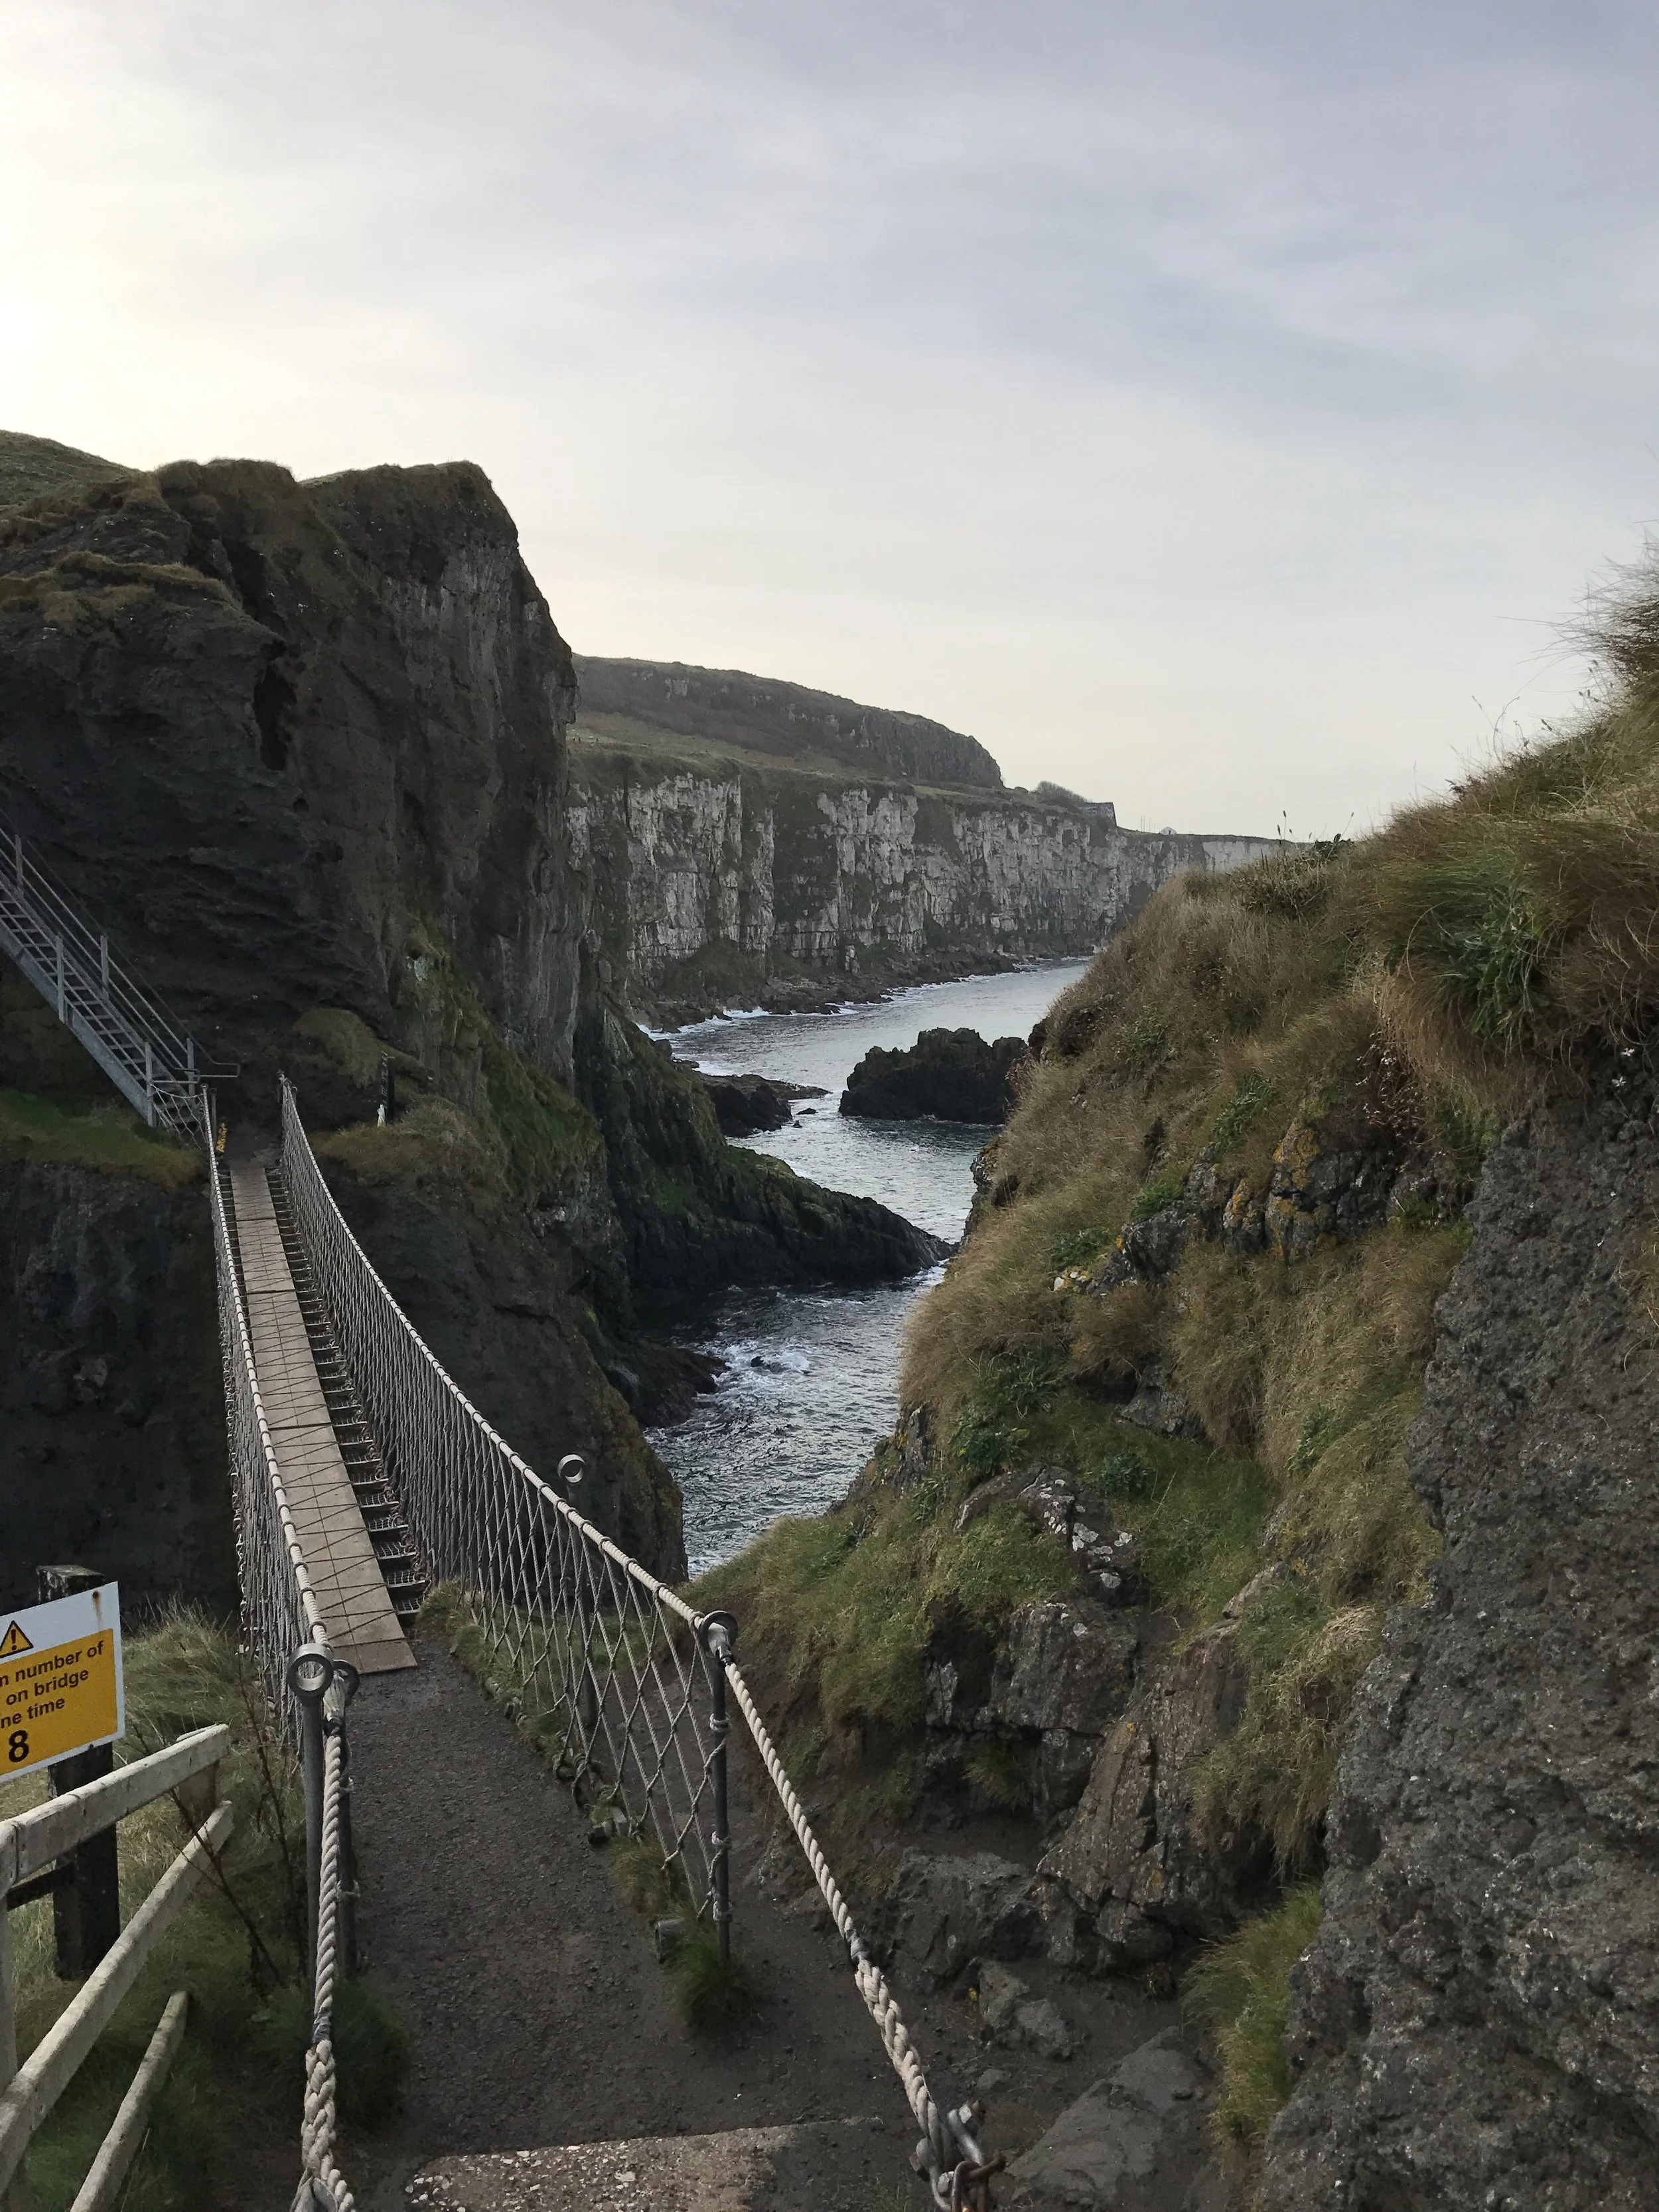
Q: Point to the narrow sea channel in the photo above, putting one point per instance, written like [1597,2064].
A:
[811,1376]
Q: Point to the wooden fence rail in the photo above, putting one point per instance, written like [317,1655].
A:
[35,1840]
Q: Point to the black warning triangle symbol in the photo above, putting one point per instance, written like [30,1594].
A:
[12,1642]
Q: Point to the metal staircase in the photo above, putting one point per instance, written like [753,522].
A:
[125,1028]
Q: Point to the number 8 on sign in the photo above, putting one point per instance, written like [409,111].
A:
[60,1679]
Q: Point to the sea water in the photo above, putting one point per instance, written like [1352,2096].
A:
[811,1376]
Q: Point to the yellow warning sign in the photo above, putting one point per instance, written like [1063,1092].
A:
[61,1687]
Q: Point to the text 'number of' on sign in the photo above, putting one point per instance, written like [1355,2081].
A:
[61,1689]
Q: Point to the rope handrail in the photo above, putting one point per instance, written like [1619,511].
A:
[607,1666]
[293,1129]
[541,1601]
[954,2161]
[282,1617]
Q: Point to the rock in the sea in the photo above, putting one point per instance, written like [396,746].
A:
[1135,2142]
[743,1103]
[951,1074]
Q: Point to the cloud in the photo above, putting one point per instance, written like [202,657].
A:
[1202,405]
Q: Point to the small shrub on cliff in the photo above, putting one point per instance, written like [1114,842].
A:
[993,1427]
[1001,1773]
[1153,1197]
[1241,1113]
[1276,1772]
[1077,1247]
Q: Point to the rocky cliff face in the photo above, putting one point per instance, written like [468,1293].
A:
[112,1454]
[717,884]
[300,748]
[256,726]
[1473,2024]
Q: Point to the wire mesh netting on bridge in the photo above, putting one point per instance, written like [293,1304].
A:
[622,1683]
[612,1671]
[284,1627]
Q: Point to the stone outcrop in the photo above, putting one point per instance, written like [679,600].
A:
[953,1075]
[1136,2141]
[1473,2023]
[723,873]
[301,749]
[943,1911]
[1131,1863]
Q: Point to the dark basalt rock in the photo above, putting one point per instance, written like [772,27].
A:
[743,1103]
[746,1103]
[278,737]
[951,1074]
[1474,2023]
[111,1423]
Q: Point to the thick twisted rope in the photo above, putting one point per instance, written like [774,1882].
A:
[317,2128]
[952,2159]
[943,2146]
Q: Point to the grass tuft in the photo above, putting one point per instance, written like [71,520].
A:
[1242,1987]
[709,1992]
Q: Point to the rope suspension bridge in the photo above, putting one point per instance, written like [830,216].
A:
[362,1476]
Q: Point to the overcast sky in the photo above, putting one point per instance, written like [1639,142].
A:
[1215,407]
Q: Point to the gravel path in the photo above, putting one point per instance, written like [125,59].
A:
[539,2013]
[540,2016]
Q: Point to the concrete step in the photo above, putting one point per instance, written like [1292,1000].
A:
[829,2166]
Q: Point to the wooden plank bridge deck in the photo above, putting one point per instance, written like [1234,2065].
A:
[327,1518]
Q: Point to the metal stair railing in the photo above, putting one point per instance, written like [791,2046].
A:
[127,1027]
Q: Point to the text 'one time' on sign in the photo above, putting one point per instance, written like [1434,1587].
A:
[61,1689]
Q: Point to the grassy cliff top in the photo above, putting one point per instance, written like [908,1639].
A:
[635,701]
[30,466]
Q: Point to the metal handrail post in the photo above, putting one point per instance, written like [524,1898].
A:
[309,1673]
[103,965]
[718,1632]
[150,1083]
[343,1689]
[63,983]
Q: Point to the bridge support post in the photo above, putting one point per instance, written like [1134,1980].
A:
[309,1673]
[720,1631]
[345,1688]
